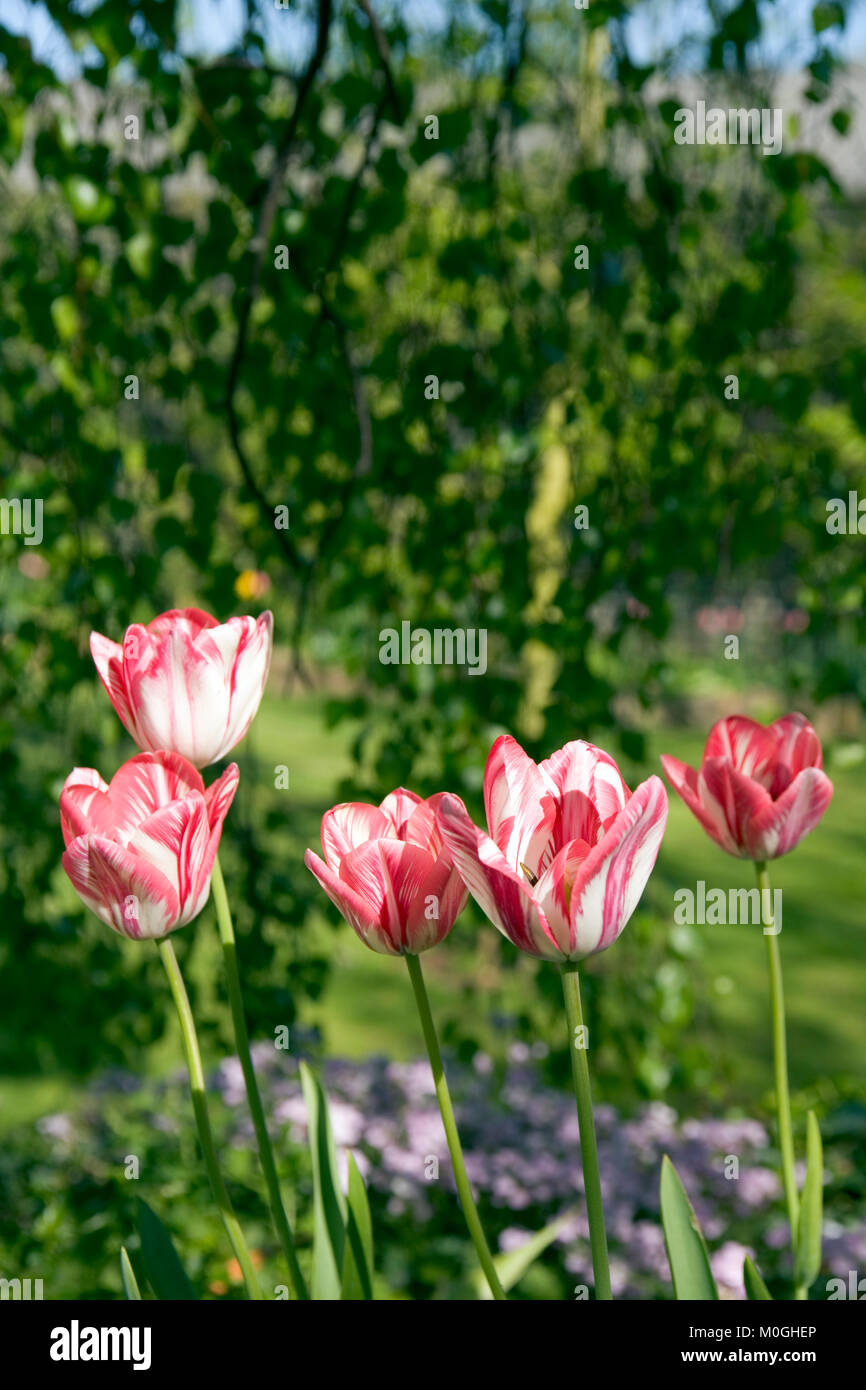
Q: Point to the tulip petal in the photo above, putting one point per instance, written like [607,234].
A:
[358,911]
[245,646]
[218,798]
[420,828]
[553,892]
[744,744]
[415,894]
[432,898]
[503,895]
[349,825]
[138,788]
[520,805]
[398,806]
[220,795]
[192,620]
[80,791]
[611,879]
[180,694]
[131,895]
[797,747]
[780,825]
[108,659]
[446,890]
[684,779]
[738,796]
[147,782]
[175,840]
[392,876]
[589,788]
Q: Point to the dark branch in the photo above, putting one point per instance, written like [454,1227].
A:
[352,196]
[384,56]
[256,251]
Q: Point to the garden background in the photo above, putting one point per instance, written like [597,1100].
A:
[431,387]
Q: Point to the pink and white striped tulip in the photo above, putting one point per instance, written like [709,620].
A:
[569,852]
[388,872]
[758,790]
[140,850]
[186,682]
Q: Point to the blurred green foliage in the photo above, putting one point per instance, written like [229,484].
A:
[309,387]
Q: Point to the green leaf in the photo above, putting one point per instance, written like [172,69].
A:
[88,202]
[826,16]
[329,1204]
[684,1241]
[808,1261]
[512,1266]
[841,121]
[358,1258]
[161,1260]
[756,1289]
[67,320]
[127,1274]
[139,253]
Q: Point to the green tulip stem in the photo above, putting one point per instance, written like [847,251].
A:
[588,1148]
[242,1044]
[202,1118]
[780,1061]
[467,1201]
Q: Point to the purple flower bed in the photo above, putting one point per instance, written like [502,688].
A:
[522,1150]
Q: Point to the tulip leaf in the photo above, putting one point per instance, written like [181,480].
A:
[329,1204]
[513,1264]
[162,1262]
[808,1259]
[358,1255]
[684,1241]
[127,1274]
[756,1289]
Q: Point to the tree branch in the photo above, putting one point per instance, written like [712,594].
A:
[384,56]
[256,250]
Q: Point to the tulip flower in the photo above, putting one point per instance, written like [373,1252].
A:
[567,858]
[192,685]
[389,873]
[140,849]
[186,682]
[758,790]
[757,793]
[569,852]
